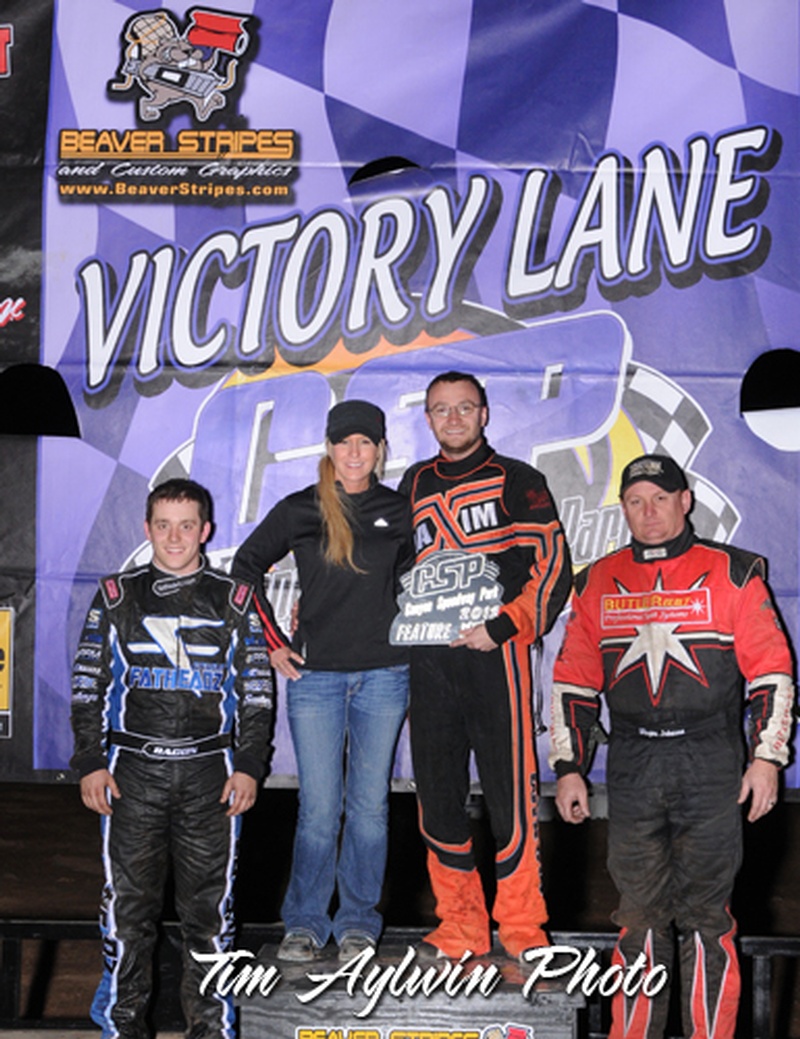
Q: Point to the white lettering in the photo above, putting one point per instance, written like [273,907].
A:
[730,189]
[656,208]
[262,241]
[530,225]
[405,978]
[597,226]
[451,239]
[195,285]
[306,287]
[103,337]
[312,283]
[587,974]
[389,227]
[249,980]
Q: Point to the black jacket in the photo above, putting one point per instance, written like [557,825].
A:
[175,658]
[345,615]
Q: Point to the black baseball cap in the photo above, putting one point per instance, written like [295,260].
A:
[658,469]
[356,416]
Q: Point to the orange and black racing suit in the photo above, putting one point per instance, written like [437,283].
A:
[670,634]
[461,700]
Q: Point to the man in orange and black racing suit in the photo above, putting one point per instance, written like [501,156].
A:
[494,514]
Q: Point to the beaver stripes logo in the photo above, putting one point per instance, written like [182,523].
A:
[196,67]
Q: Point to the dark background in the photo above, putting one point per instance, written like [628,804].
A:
[50,856]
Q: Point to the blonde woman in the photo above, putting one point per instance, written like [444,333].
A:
[347,688]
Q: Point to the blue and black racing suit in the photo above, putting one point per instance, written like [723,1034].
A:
[172,692]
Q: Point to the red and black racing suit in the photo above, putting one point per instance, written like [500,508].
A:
[171,691]
[670,633]
[464,700]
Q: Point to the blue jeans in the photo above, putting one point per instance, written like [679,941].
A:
[332,713]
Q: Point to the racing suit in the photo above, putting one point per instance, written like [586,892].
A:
[669,633]
[461,700]
[172,692]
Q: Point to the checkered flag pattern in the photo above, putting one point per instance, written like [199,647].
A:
[458,87]
[671,423]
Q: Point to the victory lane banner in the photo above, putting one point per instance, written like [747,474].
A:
[252,211]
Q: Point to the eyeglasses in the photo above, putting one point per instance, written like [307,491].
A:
[464,409]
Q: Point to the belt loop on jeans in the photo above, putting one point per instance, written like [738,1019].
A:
[170,750]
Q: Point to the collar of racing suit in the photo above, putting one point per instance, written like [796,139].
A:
[449,469]
[667,550]
[165,583]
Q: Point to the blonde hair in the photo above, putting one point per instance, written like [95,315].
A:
[334,507]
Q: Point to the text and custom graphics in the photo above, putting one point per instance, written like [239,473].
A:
[199,165]
[169,68]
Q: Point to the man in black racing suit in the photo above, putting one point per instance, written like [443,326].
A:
[670,629]
[171,714]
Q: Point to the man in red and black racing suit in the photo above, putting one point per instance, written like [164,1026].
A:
[171,714]
[496,515]
[670,629]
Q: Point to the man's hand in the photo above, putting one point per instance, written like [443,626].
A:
[761,781]
[281,660]
[572,798]
[239,792]
[97,789]
[475,638]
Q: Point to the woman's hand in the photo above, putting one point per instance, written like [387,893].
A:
[282,661]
